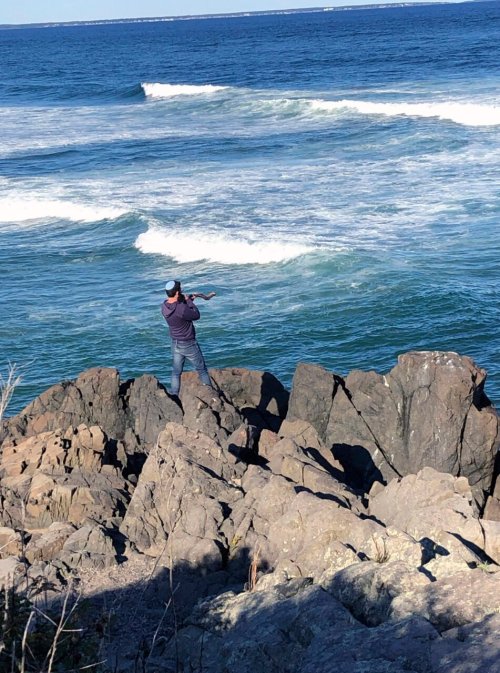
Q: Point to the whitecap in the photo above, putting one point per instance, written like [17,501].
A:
[19,209]
[467,114]
[220,248]
[159,90]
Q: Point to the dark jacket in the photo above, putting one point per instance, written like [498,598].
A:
[180,317]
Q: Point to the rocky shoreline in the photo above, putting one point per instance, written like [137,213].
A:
[350,524]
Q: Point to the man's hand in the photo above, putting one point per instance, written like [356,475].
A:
[202,296]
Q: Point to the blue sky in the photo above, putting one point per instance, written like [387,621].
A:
[34,11]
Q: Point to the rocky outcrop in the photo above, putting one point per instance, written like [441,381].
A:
[132,411]
[335,529]
[429,411]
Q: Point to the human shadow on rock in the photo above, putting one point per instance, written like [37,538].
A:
[360,471]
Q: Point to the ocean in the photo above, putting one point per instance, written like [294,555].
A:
[332,176]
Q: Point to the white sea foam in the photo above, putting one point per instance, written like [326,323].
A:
[468,114]
[19,209]
[220,248]
[159,90]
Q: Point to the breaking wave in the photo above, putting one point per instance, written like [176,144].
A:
[158,90]
[467,114]
[219,248]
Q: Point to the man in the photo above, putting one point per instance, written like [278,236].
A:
[180,312]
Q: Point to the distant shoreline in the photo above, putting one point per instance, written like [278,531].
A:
[269,12]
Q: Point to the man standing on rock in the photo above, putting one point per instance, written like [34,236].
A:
[180,312]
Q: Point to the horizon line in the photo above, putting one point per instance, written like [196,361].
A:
[263,12]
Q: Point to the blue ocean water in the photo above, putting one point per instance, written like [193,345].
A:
[333,176]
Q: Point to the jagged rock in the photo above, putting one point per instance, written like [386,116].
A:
[178,507]
[306,632]
[492,508]
[451,602]
[450,556]
[259,396]
[311,398]
[251,631]
[11,542]
[297,464]
[12,572]
[472,648]
[90,546]
[149,408]
[242,443]
[98,398]
[388,648]
[266,498]
[205,411]
[58,452]
[491,532]
[430,410]
[429,505]
[72,497]
[238,492]
[267,441]
[93,399]
[310,525]
[368,589]
[46,545]
[62,476]
[305,436]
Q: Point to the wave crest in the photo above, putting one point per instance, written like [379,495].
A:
[467,114]
[218,248]
[19,209]
[158,90]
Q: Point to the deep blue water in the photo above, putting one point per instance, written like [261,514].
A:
[333,176]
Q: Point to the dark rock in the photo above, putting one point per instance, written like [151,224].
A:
[259,396]
[98,398]
[149,408]
[472,648]
[430,410]
[311,398]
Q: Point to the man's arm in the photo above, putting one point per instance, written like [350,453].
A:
[189,311]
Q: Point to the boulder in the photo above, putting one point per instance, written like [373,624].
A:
[259,396]
[91,546]
[428,504]
[471,648]
[207,412]
[451,602]
[12,572]
[368,589]
[491,532]
[492,508]
[181,500]
[307,631]
[11,542]
[46,545]
[148,408]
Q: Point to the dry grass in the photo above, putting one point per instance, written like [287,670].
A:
[253,570]
[8,384]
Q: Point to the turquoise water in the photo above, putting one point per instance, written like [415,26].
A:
[334,177]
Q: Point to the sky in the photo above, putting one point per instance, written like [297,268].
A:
[41,11]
